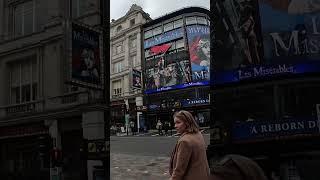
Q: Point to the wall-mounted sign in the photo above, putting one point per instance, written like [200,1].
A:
[255,130]
[85,65]
[97,148]
[136,79]
[166,37]
[193,102]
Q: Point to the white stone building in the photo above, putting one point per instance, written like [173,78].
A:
[125,54]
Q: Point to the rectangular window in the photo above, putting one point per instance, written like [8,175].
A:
[133,42]
[148,34]
[157,30]
[178,23]
[191,20]
[116,88]
[202,20]
[24,18]
[180,44]
[23,81]
[79,7]
[117,67]
[135,61]
[132,22]
[119,48]
[168,27]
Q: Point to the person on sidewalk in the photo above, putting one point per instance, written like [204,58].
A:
[236,167]
[188,159]
[132,127]
[166,128]
[159,127]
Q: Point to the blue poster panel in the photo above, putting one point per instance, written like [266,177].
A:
[199,50]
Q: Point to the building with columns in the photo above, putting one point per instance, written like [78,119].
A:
[125,67]
[39,111]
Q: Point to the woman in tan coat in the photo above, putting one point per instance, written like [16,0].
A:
[188,159]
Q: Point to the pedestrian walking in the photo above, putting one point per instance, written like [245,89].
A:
[236,167]
[166,127]
[159,127]
[188,159]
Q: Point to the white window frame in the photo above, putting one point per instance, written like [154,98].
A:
[178,23]
[117,88]
[191,20]
[168,27]
[133,42]
[118,67]
[148,34]
[135,61]
[157,30]
[202,20]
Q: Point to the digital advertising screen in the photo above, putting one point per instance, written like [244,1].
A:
[264,39]
[181,69]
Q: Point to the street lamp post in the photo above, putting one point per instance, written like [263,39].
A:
[104,20]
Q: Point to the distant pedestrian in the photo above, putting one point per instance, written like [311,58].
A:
[166,127]
[132,127]
[188,159]
[236,167]
[159,127]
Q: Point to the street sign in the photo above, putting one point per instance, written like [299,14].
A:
[97,149]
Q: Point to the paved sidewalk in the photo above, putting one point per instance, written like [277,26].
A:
[134,167]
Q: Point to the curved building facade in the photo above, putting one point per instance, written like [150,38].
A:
[176,65]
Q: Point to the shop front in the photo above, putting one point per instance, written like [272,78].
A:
[24,152]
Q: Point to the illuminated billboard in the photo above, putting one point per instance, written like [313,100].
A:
[169,66]
[264,39]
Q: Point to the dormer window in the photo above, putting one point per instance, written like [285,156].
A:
[119,28]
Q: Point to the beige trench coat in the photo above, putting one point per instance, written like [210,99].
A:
[189,158]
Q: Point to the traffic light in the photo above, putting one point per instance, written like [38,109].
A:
[56,157]
[44,147]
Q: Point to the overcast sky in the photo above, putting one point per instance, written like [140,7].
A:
[155,8]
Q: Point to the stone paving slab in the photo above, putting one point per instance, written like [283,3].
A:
[136,167]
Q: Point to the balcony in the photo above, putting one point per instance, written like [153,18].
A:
[68,100]
[18,109]
[65,101]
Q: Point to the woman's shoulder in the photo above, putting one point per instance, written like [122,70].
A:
[188,137]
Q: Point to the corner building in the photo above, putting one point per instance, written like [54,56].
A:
[176,51]
[39,111]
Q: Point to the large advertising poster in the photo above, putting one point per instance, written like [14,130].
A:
[266,39]
[199,50]
[293,33]
[162,74]
[86,56]
[136,79]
